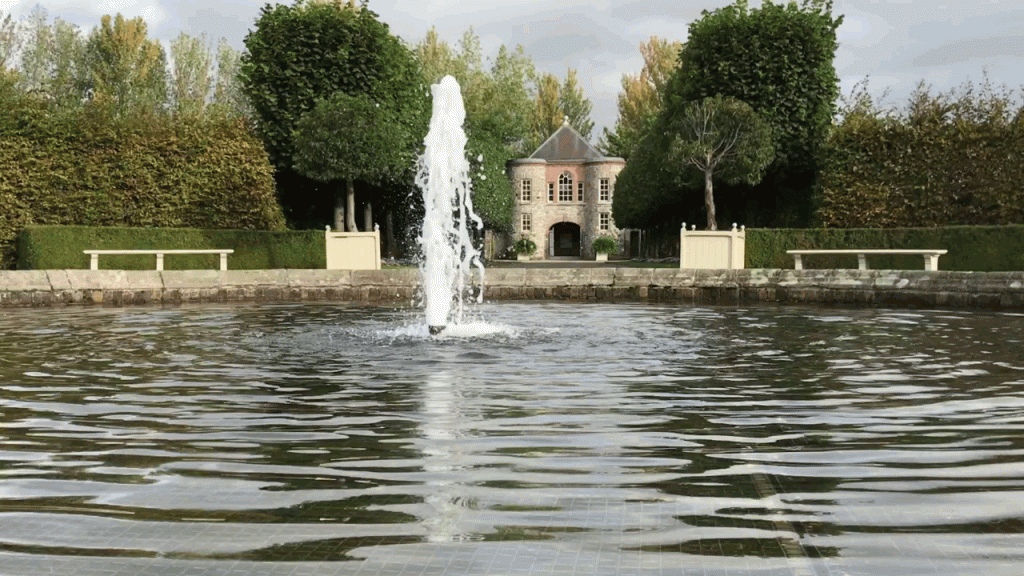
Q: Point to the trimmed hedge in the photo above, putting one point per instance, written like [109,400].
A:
[971,248]
[84,167]
[60,247]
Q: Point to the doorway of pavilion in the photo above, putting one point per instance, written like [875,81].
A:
[564,239]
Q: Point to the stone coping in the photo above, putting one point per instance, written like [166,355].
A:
[897,288]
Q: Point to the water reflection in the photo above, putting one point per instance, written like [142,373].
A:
[571,439]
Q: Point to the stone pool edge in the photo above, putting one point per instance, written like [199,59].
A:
[888,288]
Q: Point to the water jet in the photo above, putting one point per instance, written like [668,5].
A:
[446,236]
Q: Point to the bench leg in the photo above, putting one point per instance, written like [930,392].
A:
[94,261]
[931,262]
[223,261]
[159,261]
[862,261]
[797,262]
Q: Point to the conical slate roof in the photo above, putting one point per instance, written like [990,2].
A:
[566,144]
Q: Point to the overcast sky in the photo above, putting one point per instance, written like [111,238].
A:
[897,43]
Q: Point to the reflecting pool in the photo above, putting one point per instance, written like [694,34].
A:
[549,438]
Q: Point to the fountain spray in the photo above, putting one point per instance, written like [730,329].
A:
[443,176]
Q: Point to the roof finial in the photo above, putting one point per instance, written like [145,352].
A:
[566,120]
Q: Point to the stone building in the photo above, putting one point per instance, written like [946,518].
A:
[563,195]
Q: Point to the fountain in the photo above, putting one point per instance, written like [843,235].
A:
[445,238]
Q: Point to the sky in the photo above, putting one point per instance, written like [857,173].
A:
[896,44]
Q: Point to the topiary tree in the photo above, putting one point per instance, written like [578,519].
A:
[301,54]
[351,138]
[777,58]
[722,137]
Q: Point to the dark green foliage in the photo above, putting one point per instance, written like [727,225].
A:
[951,159]
[60,247]
[971,248]
[524,246]
[605,245]
[301,54]
[719,137]
[348,137]
[776,58]
[82,167]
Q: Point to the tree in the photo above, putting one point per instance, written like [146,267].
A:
[642,97]
[720,136]
[547,110]
[129,72]
[191,80]
[10,42]
[351,138]
[301,54]
[575,106]
[498,109]
[227,92]
[779,60]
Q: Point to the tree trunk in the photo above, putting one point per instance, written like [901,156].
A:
[339,210]
[350,206]
[709,201]
[368,217]
[389,223]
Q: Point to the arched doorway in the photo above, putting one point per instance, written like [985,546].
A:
[564,239]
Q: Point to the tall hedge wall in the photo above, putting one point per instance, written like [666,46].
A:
[60,247]
[82,167]
[971,248]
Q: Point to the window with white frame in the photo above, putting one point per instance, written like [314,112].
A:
[604,220]
[525,223]
[579,191]
[551,191]
[605,192]
[565,187]
[525,190]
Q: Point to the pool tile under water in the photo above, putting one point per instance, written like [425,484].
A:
[332,440]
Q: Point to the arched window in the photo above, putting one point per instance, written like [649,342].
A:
[565,187]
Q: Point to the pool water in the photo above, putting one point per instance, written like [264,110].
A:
[540,438]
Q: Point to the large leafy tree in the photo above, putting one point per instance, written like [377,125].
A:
[642,97]
[723,137]
[191,74]
[303,53]
[351,138]
[554,103]
[129,71]
[778,59]
[498,110]
[575,105]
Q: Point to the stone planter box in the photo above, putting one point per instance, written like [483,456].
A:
[524,257]
[601,257]
[712,250]
[353,250]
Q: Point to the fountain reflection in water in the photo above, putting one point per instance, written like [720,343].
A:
[445,238]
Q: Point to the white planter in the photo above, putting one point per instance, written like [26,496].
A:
[712,250]
[353,250]
[523,257]
[601,257]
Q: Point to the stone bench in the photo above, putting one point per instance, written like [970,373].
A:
[94,256]
[931,257]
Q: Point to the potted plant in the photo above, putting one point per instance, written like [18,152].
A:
[524,248]
[603,246]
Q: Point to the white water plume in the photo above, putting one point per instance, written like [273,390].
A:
[446,238]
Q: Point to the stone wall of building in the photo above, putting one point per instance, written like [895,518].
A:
[888,288]
[545,214]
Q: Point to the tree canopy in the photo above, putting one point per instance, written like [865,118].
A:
[779,60]
[642,98]
[300,54]
[498,107]
[723,137]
